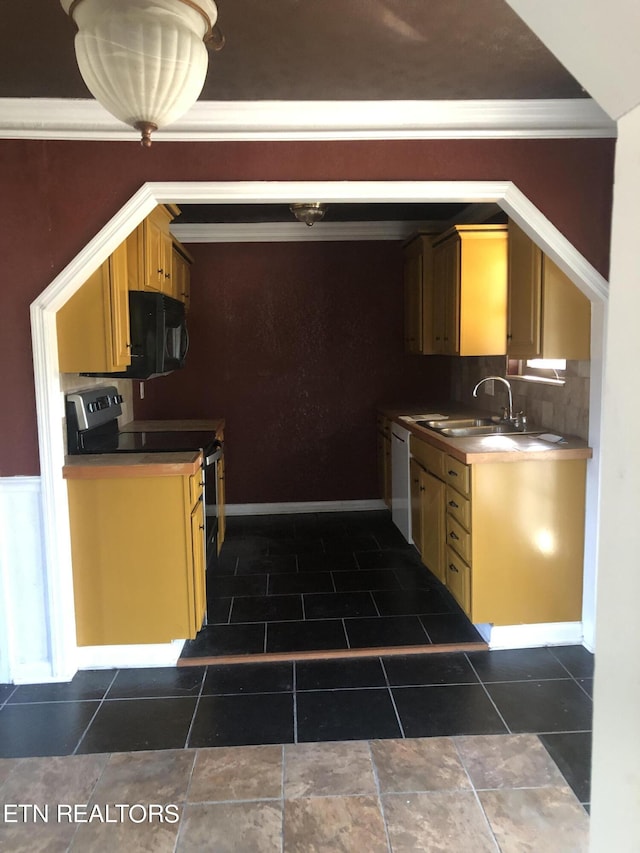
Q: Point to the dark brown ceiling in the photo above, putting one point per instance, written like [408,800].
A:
[319,50]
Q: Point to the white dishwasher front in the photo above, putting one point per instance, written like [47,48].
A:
[400,485]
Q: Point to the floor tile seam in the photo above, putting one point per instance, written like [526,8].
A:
[346,633]
[393,699]
[485,817]
[490,698]
[95,714]
[524,680]
[559,732]
[294,684]
[193,717]
[132,699]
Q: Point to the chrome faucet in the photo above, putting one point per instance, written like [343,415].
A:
[509,411]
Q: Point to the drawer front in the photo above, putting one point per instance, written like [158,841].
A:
[459,580]
[458,538]
[458,475]
[432,458]
[459,507]
[195,487]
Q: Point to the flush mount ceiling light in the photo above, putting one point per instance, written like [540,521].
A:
[145,61]
[308,212]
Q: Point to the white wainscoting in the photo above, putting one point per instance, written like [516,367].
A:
[24,632]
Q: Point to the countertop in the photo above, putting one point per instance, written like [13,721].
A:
[216,425]
[110,465]
[513,447]
[161,464]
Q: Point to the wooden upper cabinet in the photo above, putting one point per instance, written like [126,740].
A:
[470,290]
[150,252]
[418,296]
[93,325]
[181,274]
[548,316]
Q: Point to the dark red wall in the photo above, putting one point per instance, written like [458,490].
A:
[295,344]
[57,195]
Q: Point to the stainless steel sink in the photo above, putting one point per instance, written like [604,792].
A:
[457,423]
[480,430]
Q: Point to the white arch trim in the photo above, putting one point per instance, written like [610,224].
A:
[64,653]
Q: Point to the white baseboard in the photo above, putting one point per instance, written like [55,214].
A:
[303,506]
[531,636]
[128,657]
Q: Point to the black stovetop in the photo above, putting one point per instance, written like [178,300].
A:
[101,441]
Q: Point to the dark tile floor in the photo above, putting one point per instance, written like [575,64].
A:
[323,581]
[543,691]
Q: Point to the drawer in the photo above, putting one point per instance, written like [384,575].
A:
[458,538]
[195,487]
[459,580]
[459,507]
[458,475]
[428,456]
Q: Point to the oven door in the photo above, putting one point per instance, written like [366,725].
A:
[213,501]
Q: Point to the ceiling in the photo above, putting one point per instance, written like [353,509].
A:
[319,50]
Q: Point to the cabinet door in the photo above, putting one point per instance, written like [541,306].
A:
[198,565]
[416,503]
[158,251]
[446,303]
[433,533]
[119,308]
[413,299]
[525,290]
[181,278]
[566,316]
[93,326]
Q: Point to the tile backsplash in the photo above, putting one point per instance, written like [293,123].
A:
[562,408]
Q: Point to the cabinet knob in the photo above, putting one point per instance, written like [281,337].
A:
[453,568]
[422,488]
[452,473]
[453,535]
[509,337]
[160,272]
[167,275]
[453,504]
[202,527]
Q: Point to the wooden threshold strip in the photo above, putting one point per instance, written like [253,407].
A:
[381,651]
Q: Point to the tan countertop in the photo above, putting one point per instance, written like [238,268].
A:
[216,425]
[513,447]
[111,465]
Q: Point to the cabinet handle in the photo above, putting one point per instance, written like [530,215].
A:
[453,568]
[422,488]
[453,504]
[167,275]
[452,473]
[453,535]
[509,337]
[160,272]
[202,527]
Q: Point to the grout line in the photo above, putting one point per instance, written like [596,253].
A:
[375,603]
[333,581]
[295,708]
[195,710]
[376,780]
[90,723]
[504,722]
[264,646]
[304,615]
[393,698]
[475,791]
[344,628]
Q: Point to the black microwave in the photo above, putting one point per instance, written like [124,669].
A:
[159,337]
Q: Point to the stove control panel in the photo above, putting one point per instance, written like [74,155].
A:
[94,407]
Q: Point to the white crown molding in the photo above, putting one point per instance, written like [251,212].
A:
[58,118]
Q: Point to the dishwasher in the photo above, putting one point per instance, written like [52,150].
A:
[400,485]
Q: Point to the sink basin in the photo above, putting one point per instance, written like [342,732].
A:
[479,430]
[458,423]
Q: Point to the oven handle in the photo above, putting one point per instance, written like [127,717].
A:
[215,455]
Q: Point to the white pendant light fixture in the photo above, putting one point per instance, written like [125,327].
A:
[308,211]
[145,61]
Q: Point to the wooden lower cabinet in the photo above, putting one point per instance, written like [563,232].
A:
[513,541]
[138,558]
[428,518]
